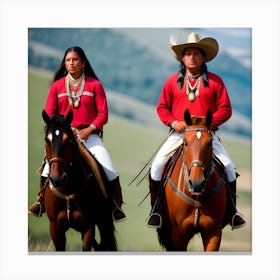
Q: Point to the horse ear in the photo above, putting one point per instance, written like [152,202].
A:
[45,116]
[69,116]
[187,117]
[209,117]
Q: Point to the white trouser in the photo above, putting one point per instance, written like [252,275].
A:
[174,141]
[95,145]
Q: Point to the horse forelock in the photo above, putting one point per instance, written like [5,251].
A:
[198,120]
[58,122]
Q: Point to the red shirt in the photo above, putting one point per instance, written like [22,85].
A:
[93,108]
[173,101]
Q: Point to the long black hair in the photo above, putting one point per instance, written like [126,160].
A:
[88,71]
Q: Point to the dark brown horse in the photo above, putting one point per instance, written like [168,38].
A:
[195,194]
[73,198]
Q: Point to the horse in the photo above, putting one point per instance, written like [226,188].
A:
[73,198]
[195,193]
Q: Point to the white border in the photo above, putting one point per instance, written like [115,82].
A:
[17,16]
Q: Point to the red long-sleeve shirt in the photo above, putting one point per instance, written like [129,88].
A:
[93,108]
[173,101]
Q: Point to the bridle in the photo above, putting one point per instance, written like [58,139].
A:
[197,163]
[57,159]
[53,188]
[194,201]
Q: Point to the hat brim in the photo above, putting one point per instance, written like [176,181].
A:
[209,46]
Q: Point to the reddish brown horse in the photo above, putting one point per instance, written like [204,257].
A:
[195,191]
[72,197]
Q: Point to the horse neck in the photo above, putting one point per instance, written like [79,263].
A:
[76,171]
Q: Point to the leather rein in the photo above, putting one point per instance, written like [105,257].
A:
[61,195]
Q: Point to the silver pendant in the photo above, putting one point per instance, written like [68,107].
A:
[191,96]
[76,103]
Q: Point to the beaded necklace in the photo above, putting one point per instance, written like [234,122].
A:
[192,90]
[74,94]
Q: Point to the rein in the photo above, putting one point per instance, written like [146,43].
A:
[148,163]
[60,195]
[186,198]
[194,202]
[68,198]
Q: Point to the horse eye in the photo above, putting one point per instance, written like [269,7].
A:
[185,143]
[210,143]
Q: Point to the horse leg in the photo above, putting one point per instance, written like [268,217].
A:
[179,240]
[58,236]
[88,239]
[165,238]
[211,242]
[108,241]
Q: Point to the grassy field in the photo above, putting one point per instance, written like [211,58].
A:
[131,145]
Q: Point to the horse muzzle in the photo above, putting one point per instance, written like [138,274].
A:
[58,181]
[197,187]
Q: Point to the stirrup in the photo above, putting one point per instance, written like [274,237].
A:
[239,218]
[153,221]
[36,209]
[118,215]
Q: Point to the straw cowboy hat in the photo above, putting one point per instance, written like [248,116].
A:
[209,46]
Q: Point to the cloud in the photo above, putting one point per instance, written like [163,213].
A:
[243,55]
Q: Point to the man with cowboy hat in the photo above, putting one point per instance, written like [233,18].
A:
[196,89]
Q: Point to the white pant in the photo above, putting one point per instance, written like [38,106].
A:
[174,141]
[95,145]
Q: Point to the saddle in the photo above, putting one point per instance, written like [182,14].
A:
[169,166]
[92,163]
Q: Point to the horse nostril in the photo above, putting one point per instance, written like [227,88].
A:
[196,186]
[191,185]
[58,181]
[203,184]
[55,181]
[64,178]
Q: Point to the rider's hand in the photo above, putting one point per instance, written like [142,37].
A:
[179,126]
[85,133]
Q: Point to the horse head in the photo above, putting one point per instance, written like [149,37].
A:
[59,142]
[198,151]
